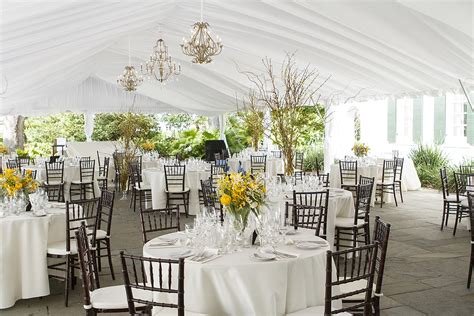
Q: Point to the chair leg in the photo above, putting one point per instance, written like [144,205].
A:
[376,304]
[444,214]
[109,256]
[66,281]
[99,257]
[337,239]
[381,196]
[456,221]
[469,276]
[355,231]
[401,193]
[394,195]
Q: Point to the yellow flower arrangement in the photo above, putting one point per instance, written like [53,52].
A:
[240,195]
[11,182]
[148,146]
[360,149]
[3,149]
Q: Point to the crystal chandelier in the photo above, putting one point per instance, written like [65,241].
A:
[160,66]
[201,46]
[130,79]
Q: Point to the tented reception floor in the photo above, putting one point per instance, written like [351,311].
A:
[426,268]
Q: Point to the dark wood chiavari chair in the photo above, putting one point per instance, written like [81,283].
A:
[348,173]
[85,185]
[104,228]
[103,177]
[135,271]
[450,201]
[470,202]
[141,192]
[176,189]
[32,172]
[466,169]
[464,186]
[398,175]
[381,236]
[258,164]
[118,158]
[387,183]
[356,229]
[310,207]
[299,165]
[352,265]
[23,161]
[324,177]
[276,153]
[54,184]
[159,220]
[12,164]
[217,172]
[97,299]
[210,197]
[86,211]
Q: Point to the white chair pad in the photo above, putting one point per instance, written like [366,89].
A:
[172,312]
[81,182]
[313,311]
[348,222]
[454,198]
[114,297]
[53,183]
[465,203]
[354,286]
[101,178]
[59,248]
[177,190]
[100,234]
[143,186]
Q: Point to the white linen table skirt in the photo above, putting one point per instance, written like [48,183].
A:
[23,247]
[71,173]
[236,284]
[340,204]
[274,165]
[156,179]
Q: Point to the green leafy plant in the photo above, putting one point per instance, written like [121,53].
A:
[237,136]
[428,160]
[313,159]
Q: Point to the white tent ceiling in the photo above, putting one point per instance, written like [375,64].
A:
[66,55]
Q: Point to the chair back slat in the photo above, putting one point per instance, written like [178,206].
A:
[258,164]
[299,161]
[444,182]
[381,235]
[348,172]
[12,164]
[87,169]
[106,211]
[466,169]
[135,271]
[158,220]
[217,172]
[175,176]
[352,265]
[388,171]
[398,168]
[87,263]
[464,184]
[54,171]
[23,161]
[86,211]
[309,210]
[363,200]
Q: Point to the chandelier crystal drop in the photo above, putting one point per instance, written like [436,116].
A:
[130,79]
[160,66]
[201,46]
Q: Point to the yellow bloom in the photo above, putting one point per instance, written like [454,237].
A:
[225,199]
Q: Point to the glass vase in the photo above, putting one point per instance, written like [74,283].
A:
[124,195]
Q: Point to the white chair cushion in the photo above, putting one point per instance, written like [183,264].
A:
[177,189]
[59,248]
[101,178]
[172,312]
[143,186]
[354,286]
[100,234]
[81,182]
[454,198]
[348,222]
[465,203]
[53,183]
[114,297]
[313,311]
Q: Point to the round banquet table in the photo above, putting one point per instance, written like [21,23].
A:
[340,204]
[156,179]
[71,173]
[23,245]
[236,284]
[274,165]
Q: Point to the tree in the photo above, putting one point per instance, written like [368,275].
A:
[284,97]
[252,117]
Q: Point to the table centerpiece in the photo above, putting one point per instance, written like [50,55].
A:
[13,183]
[360,150]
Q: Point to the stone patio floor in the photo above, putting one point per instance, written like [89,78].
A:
[426,269]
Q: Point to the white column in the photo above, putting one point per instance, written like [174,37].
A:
[9,131]
[89,125]
[428,120]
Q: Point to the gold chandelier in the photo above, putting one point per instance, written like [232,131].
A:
[130,79]
[160,66]
[201,46]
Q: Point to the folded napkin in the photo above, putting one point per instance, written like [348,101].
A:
[165,243]
[205,255]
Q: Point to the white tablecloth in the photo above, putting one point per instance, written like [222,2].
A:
[274,165]
[71,173]
[156,179]
[236,284]
[340,204]
[23,247]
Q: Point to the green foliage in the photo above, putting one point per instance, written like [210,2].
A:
[311,125]
[190,143]
[428,161]
[106,127]
[22,153]
[40,132]
[237,136]
[313,159]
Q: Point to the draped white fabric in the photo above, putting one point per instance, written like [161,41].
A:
[66,55]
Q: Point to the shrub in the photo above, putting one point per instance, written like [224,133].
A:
[313,159]
[428,160]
